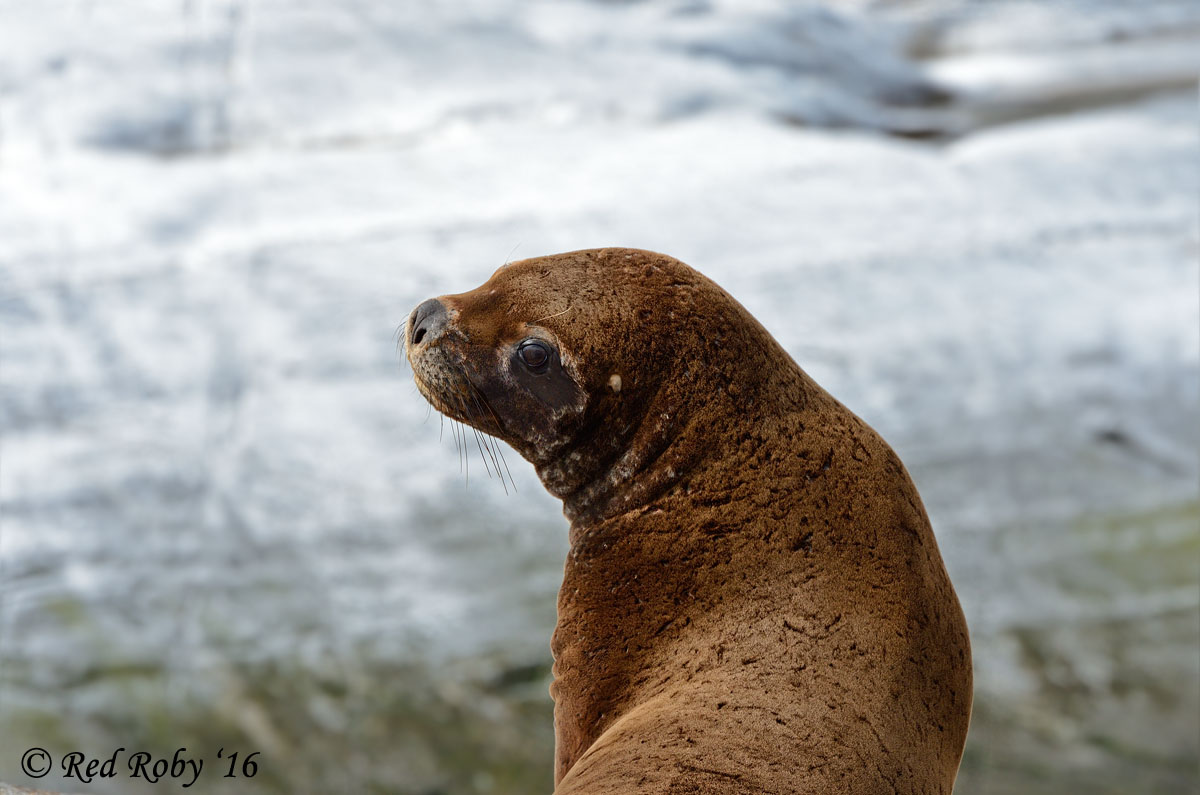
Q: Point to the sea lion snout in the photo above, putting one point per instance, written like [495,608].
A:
[509,379]
[427,322]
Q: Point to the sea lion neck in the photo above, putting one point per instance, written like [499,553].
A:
[654,435]
[625,457]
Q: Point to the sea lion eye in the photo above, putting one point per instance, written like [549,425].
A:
[534,354]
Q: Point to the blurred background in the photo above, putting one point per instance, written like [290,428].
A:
[228,520]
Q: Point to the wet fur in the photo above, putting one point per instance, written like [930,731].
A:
[754,600]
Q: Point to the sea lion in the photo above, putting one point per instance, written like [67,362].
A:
[753,599]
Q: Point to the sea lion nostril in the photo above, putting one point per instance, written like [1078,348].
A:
[427,321]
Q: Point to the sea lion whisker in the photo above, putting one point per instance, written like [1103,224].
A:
[509,257]
[402,342]
[482,400]
[493,447]
[489,445]
[463,410]
[479,445]
[500,451]
[490,442]
[464,460]
[466,457]
[495,442]
[456,431]
[482,405]
[457,446]
[483,438]
[547,317]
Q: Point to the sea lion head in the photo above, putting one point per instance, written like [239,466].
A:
[590,364]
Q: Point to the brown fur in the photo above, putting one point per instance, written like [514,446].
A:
[754,600]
